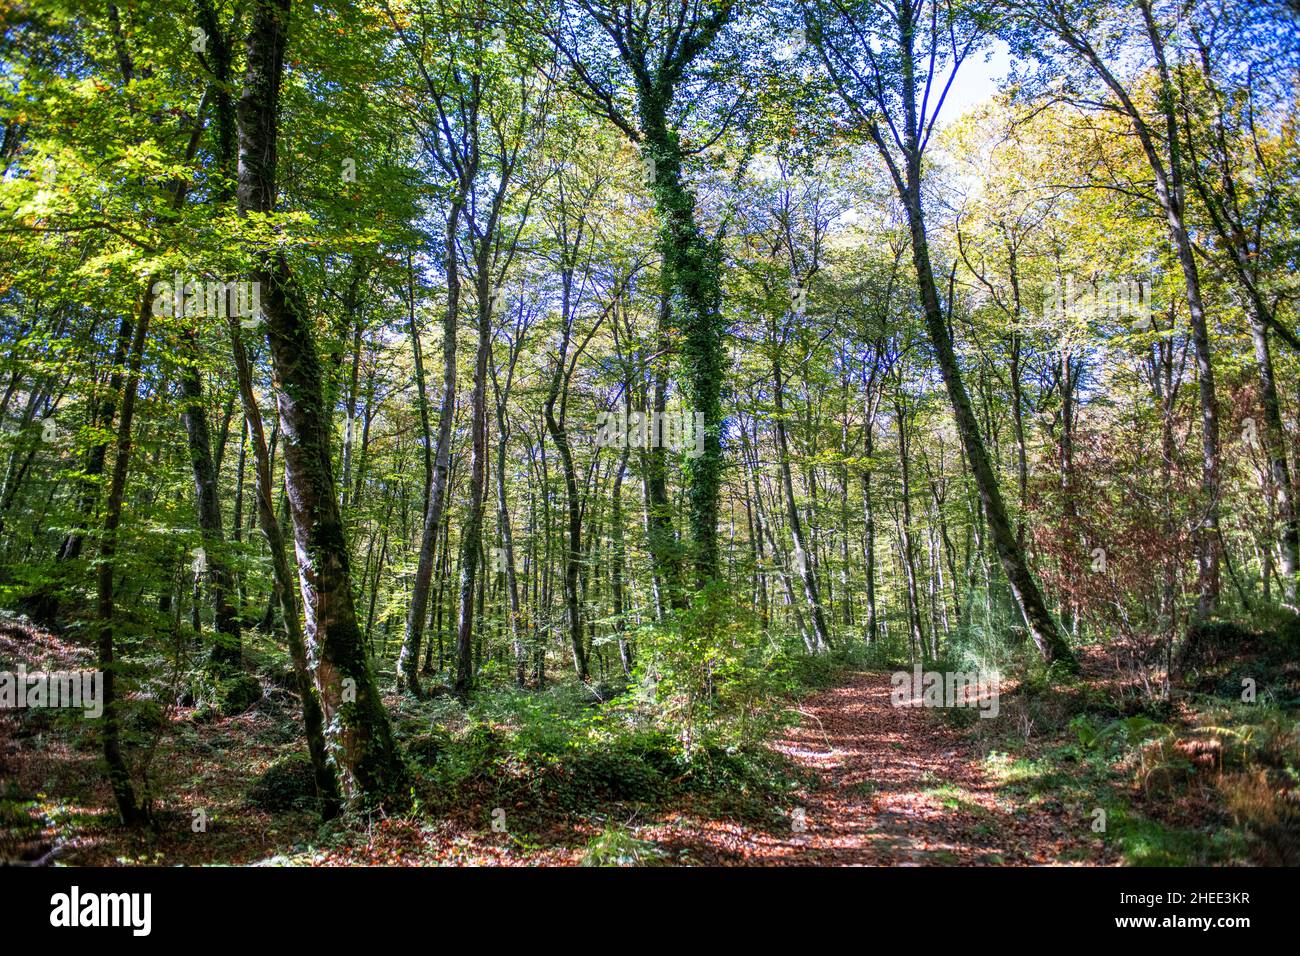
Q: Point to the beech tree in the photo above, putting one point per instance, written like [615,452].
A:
[1088,42]
[892,69]
[357,732]
[654,51]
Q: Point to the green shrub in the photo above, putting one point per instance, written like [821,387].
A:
[237,693]
[615,846]
[425,749]
[1127,732]
[616,773]
[1208,642]
[288,784]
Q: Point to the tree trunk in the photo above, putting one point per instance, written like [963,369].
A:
[558,392]
[358,735]
[514,612]
[1042,628]
[869,533]
[908,547]
[226,652]
[408,659]
[691,272]
[803,563]
[618,558]
[282,588]
[119,774]
[661,538]
[1279,468]
[472,533]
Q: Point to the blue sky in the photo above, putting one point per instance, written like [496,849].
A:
[977,80]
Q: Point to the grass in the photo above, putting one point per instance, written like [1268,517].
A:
[1204,781]
[616,846]
[952,797]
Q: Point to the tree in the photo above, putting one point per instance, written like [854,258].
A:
[884,61]
[1224,144]
[1091,36]
[358,736]
[656,47]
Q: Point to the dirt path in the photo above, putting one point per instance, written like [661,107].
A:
[894,786]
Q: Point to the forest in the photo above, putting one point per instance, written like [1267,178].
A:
[650,432]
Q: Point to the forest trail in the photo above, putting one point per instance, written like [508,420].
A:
[892,786]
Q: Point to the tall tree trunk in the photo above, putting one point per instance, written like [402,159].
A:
[1279,467]
[1171,194]
[907,181]
[661,538]
[1242,245]
[1018,398]
[847,614]
[758,533]
[421,388]
[558,392]
[692,274]
[358,735]
[619,558]
[472,533]
[907,546]
[869,533]
[283,587]
[408,659]
[1163,151]
[803,564]
[119,774]
[573,545]
[514,612]
[226,650]
[350,407]
[1042,628]
[1069,605]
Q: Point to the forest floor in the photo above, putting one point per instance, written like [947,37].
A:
[857,781]
[891,787]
